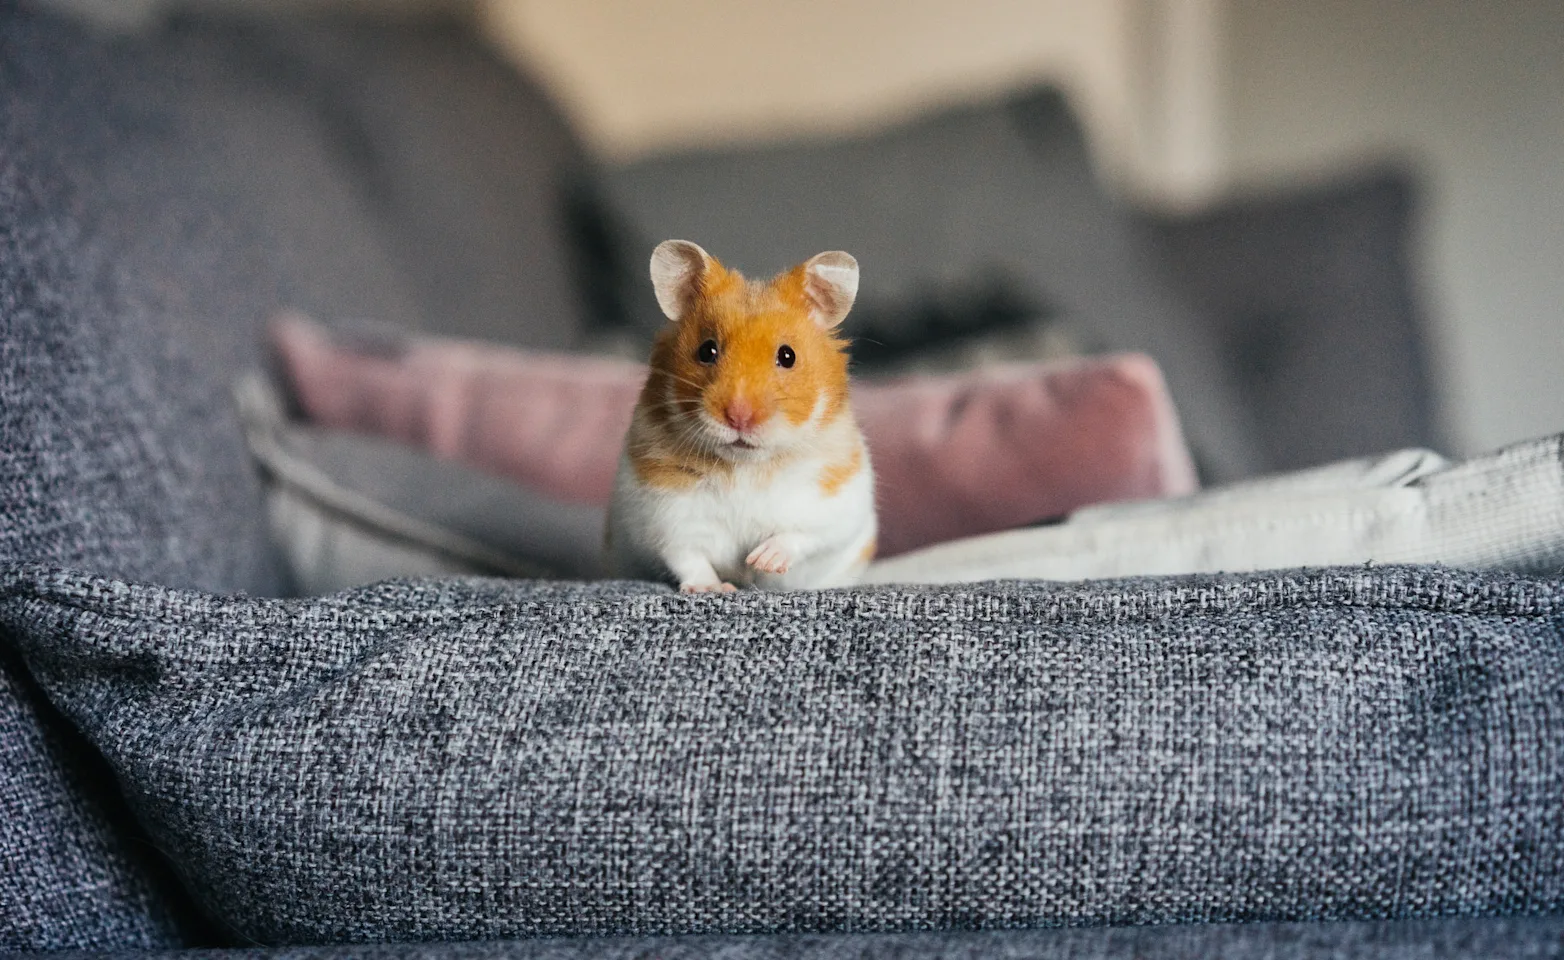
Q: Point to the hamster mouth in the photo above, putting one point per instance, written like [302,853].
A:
[741,448]
[725,440]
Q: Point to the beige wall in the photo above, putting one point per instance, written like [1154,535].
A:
[641,76]
[1474,93]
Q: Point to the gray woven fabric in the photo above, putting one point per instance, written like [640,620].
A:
[1448,939]
[160,198]
[410,175]
[1308,290]
[68,877]
[114,451]
[487,759]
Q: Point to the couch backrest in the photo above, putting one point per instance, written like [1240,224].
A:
[1001,190]
[1285,324]
[160,198]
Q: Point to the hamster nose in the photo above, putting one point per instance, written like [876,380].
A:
[740,415]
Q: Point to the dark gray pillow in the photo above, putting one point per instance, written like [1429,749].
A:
[450,176]
[482,759]
[1308,293]
[350,509]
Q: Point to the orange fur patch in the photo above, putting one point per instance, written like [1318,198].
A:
[663,473]
[867,554]
[836,475]
[750,322]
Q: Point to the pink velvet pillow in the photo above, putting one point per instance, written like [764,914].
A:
[954,456]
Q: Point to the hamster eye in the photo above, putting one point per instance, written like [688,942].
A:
[785,356]
[707,352]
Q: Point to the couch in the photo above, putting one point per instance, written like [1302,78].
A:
[1360,761]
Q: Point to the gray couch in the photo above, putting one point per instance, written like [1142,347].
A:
[1364,762]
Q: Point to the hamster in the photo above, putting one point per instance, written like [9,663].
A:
[743,465]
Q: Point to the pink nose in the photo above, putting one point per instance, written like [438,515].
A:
[740,415]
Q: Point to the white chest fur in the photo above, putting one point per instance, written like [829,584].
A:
[723,518]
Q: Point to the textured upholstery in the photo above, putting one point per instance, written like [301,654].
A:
[68,876]
[161,197]
[115,454]
[405,174]
[489,759]
[1447,939]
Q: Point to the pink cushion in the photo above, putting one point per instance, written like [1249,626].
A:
[954,456]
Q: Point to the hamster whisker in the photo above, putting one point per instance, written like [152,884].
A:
[677,415]
[682,421]
[673,403]
[689,442]
[685,380]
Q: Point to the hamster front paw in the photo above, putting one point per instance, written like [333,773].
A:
[775,554]
[718,587]
[695,573]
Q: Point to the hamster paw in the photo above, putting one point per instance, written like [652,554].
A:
[774,555]
[707,588]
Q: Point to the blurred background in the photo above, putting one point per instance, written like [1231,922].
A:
[1185,102]
[1216,126]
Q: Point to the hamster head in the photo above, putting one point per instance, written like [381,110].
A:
[748,369]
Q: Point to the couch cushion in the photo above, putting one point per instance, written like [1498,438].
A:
[350,509]
[115,453]
[396,161]
[72,875]
[118,447]
[1461,938]
[160,197]
[487,759]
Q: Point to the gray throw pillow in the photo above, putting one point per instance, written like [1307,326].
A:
[1308,293]
[479,759]
[350,509]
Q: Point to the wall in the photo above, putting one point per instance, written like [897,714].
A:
[1472,92]
[639,76]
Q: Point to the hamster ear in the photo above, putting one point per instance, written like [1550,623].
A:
[677,268]
[831,286]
